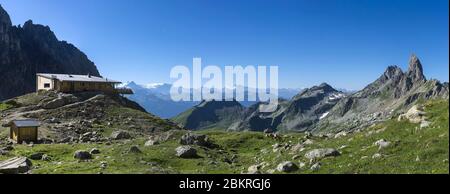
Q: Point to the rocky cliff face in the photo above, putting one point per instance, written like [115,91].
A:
[301,113]
[31,49]
[391,94]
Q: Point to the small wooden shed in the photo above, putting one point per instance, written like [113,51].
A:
[24,130]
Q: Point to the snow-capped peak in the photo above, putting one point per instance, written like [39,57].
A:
[154,85]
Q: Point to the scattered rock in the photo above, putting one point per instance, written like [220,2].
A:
[414,115]
[134,149]
[308,142]
[66,140]
[46,157]
[316,166]
[82,155]
[340,134]
[94,151]
[8,148]
[194,139]
[15,165]
[308,135]
[118,135]
[297,148]
[287,166]
[103,164]
[301,165]
[254,169]
[270,171]
[186,152]
[36,156]
[424,124]
[151,142]
[321,153]
[382,144]
[56,103]
[376,156]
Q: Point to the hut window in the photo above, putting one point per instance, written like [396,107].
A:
[46,85]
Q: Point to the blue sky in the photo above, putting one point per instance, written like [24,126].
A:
[347,43]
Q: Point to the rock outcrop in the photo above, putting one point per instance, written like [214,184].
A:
[15,165]
[31,49]
[392,94]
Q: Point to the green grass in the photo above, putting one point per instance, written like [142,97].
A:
[4,106]
[430,145]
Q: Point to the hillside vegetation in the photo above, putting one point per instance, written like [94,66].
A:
[411,149]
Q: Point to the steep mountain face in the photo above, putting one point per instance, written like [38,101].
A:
[301,113]
[210,114]
[156,100]
[31,49]
[307,108]
[391,94]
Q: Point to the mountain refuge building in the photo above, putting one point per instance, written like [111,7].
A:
[68,83]
[24,130]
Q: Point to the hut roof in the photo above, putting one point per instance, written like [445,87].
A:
[26,123]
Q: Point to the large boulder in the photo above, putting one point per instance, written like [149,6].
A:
[118,135]
[186,152]
[36,156]
[382,143]
[415,115]
[15,165]
[63,99]
[82,155]
[194,139]
[56,103]
[287,166]
[134,150]
[321,153]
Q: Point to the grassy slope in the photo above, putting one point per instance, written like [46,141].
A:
[4,106]
[430,145]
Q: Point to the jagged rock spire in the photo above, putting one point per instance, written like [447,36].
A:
[393,72]
[415,70]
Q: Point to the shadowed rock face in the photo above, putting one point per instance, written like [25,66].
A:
[210,114]
[31,49]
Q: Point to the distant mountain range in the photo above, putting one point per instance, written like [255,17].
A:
[323,108]
[155,98]
[31,49]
